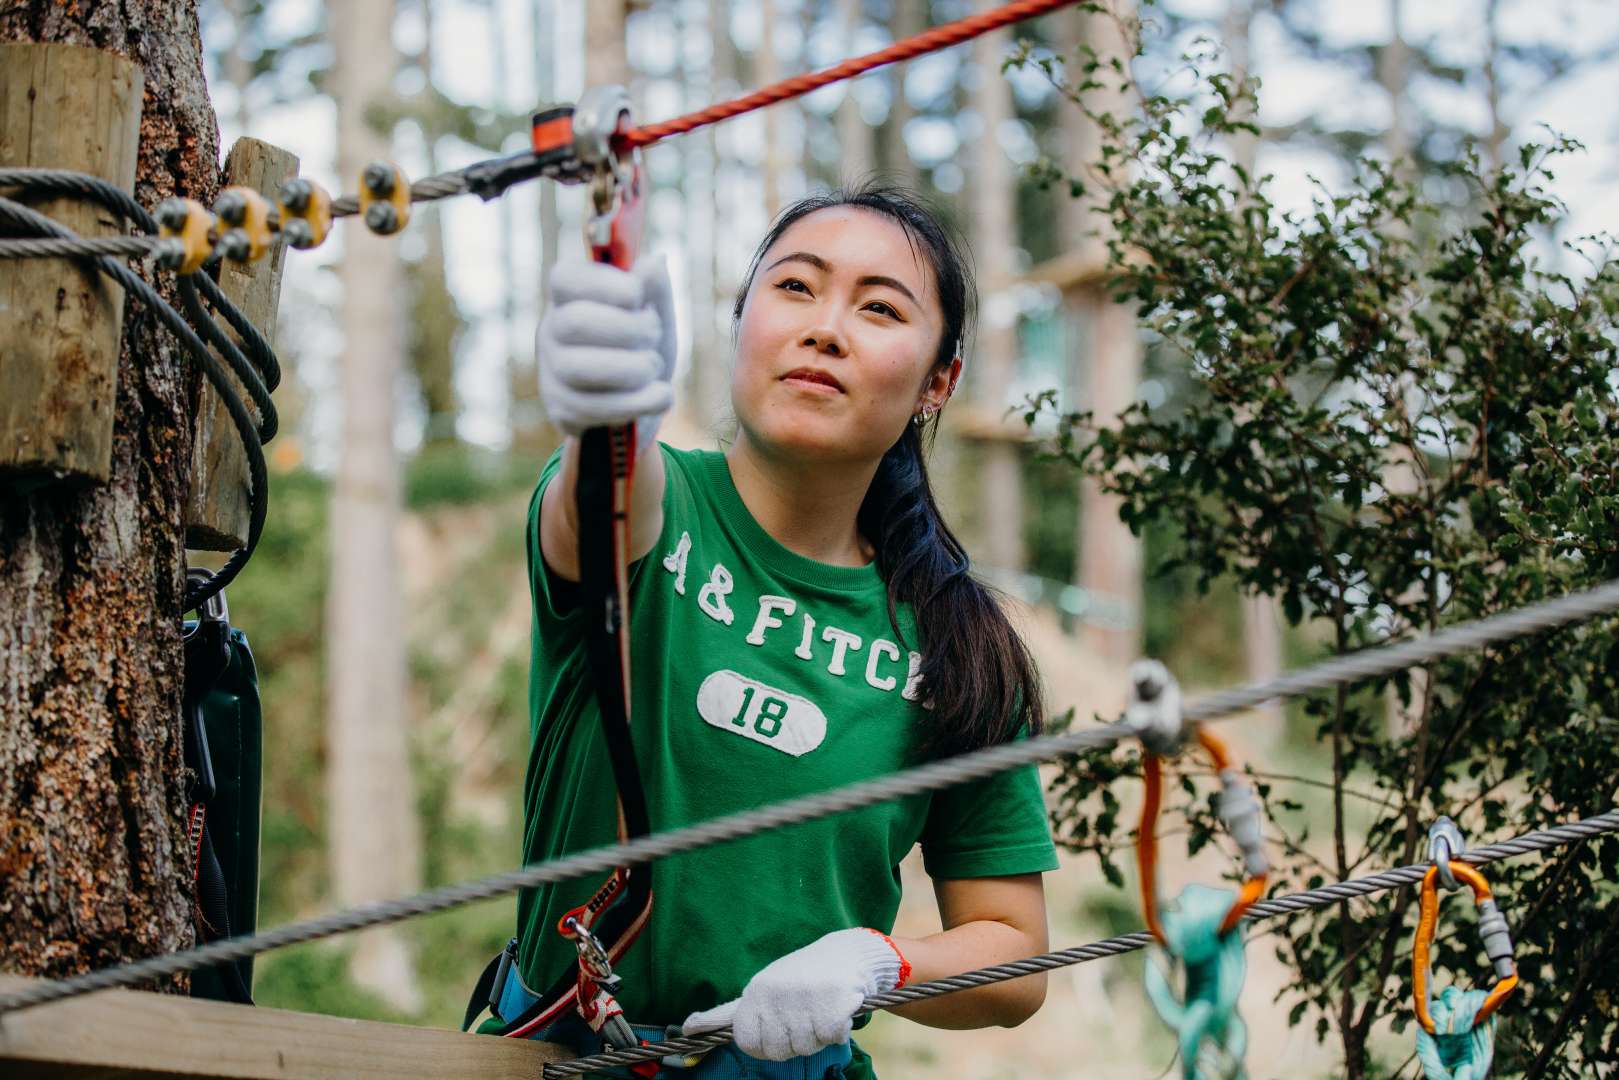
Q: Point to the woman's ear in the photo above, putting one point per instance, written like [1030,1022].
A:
[940,385]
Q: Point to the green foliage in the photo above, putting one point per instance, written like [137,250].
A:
[280,602]
[1394,419]
[457,475]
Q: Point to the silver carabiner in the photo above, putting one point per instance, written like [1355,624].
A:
[1444,844]
[593,954]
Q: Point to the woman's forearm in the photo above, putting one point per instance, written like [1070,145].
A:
[559,525]
[964,948]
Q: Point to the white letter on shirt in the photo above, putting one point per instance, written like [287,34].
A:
[768,606]
[675,562]
[881,647]
[711,597]
[912,678]
[842,641]
[803,651]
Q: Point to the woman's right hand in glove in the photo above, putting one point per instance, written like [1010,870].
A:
[606,347]
[606,356]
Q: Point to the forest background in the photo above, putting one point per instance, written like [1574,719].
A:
[410,366]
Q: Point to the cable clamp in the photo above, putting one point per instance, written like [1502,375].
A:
[1444,844]
[1154,714]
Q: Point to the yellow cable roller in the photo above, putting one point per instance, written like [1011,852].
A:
[306,213]
[188,232]
[384,198]
[250,223]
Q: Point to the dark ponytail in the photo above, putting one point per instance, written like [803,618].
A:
[978,678]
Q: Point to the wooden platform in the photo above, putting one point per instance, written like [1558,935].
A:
[125,1033]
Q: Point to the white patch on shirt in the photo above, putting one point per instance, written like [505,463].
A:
[766,619]
[711,597]
[782,721]
[880,648]
[675,562]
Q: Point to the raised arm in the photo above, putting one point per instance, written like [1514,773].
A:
[606,355]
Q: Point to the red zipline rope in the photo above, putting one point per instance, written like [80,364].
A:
[940,37]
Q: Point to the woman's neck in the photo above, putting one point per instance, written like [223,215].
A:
[809,508]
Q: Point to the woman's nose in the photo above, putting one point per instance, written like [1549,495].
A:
[825,339]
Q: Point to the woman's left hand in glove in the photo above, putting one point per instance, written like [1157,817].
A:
[806,1000]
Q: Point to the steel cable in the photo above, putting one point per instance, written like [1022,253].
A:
[28,218]
[1325,896]
[1383,660]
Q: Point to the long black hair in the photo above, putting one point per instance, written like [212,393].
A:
[977,676]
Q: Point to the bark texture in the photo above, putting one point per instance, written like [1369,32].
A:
[93,868]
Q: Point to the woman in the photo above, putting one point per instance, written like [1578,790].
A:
[801,619]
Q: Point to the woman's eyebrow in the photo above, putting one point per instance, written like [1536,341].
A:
[826,268]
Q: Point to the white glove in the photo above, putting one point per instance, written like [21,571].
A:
[805,1001]
[606,347]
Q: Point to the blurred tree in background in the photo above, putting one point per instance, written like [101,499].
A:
[1397,417]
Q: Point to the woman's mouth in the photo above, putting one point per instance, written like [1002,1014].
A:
[813,379]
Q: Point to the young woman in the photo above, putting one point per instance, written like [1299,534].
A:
[801,619]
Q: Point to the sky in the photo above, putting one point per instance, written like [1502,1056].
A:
[1585,107]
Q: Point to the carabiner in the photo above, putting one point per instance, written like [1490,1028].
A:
[1492,926]
[1239,810]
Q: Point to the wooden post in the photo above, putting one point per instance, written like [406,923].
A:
[154,1036]
[63,107]
[218,504]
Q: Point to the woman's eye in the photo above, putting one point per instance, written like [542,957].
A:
[792,285]
[882,309]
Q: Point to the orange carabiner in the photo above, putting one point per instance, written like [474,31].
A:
[1493,928]
[1235,788]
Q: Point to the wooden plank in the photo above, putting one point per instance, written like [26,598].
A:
[63,107]
[119,1033]
[218,504]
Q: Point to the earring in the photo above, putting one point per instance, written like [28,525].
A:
[922,416]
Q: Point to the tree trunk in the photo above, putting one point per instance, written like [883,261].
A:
[766,71]
[93,864]
[373,843]
[854,134]
[910,18]
[532,433]
[1261,621]
[1495,139]
[606,62]
[994,206]
[435,322]
[1109,555]
[711,369]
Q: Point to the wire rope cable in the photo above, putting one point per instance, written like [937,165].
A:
[1381,660]
[1324,896]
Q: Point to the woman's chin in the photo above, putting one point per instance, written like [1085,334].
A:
[815,438]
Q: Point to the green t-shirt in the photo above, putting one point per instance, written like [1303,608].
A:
[759,675]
